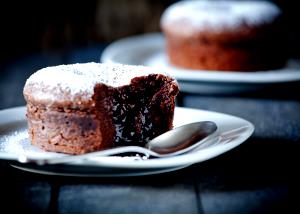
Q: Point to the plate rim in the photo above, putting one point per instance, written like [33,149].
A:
[138,42]
[151,163]
[97,174]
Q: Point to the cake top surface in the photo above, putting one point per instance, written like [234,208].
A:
[77,81]
[219,15]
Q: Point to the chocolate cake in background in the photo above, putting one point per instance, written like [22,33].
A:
[224,35]
[87,107]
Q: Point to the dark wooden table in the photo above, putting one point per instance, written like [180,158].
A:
[259,176]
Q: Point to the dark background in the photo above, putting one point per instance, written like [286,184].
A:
[51,26]
[56,26]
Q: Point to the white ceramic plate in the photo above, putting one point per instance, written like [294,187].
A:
[149,50]
[91,171]
[14,142]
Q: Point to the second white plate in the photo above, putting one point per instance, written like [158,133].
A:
[149,50]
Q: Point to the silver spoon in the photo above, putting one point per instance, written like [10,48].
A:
[177,141]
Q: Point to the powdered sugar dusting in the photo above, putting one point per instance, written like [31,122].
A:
[17,143]
[13,142]
[218,15]
[78,80]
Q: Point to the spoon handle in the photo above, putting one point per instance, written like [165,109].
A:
[71,158]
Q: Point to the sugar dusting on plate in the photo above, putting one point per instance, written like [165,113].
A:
[17,142]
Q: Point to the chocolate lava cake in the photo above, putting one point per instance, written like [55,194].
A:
[224,35]
[81,108]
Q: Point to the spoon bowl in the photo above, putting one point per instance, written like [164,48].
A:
[182,139]
[177,141]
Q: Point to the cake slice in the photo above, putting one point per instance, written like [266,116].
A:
[81,108]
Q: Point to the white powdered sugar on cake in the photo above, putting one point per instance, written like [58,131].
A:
[78,80]
[219,15]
